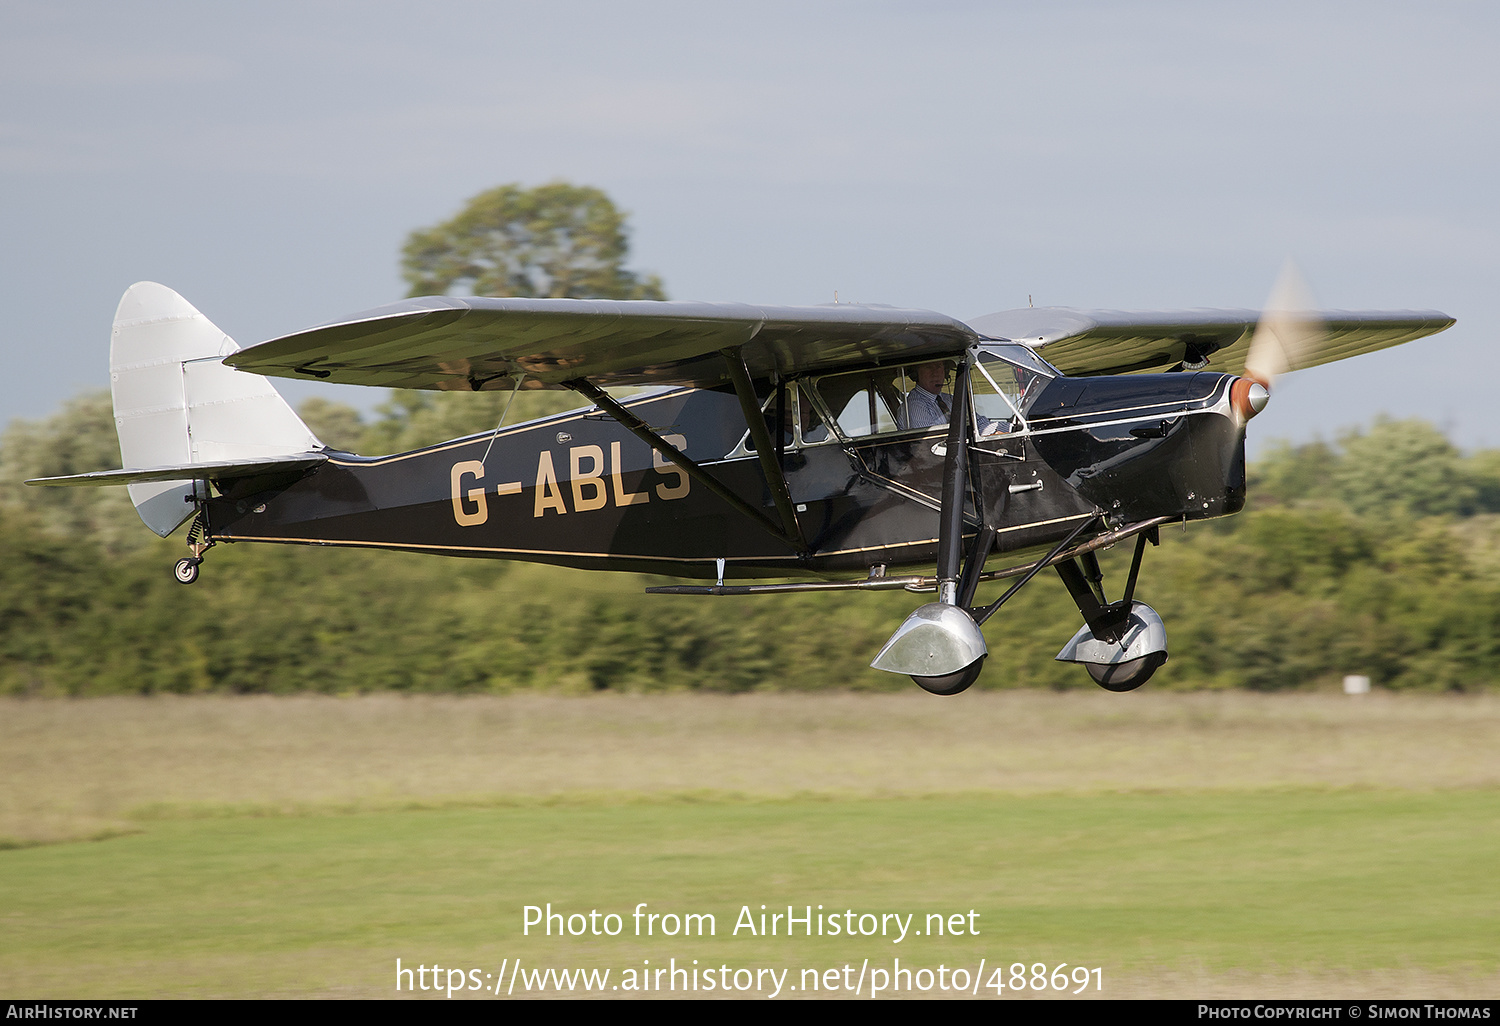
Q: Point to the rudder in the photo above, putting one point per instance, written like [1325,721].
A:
[177,404]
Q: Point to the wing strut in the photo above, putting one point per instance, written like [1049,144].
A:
[955,489]
[641,430]
[767,451]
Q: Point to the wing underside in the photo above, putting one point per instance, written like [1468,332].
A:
[477,343]
[1091,342]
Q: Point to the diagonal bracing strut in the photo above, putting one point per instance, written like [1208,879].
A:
[765,449]
[641,430]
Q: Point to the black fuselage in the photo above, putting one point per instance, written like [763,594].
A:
[579,490]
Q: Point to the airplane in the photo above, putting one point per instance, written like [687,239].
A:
[774,449]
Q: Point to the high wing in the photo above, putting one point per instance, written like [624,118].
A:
[476,343]
[1090,342]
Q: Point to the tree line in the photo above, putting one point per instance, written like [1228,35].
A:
[1354,557]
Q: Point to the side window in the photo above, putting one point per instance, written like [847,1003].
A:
[866,413]
[810,422]
[865,403]
[800,423]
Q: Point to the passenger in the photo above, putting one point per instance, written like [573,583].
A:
[812,426]
[813,429]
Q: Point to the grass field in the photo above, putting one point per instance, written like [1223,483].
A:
[1189,845]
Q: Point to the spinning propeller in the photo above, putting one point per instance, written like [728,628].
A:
[1286,337]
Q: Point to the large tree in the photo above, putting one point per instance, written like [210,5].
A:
[557,240]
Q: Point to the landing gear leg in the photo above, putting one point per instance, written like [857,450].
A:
[940,646]
[953,683]
[1124,642]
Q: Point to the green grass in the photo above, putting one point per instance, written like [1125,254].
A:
[1332,885]
[72,770]
[1203,845]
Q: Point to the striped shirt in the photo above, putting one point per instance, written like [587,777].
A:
[923,409]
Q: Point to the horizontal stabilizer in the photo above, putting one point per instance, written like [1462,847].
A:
[223,470]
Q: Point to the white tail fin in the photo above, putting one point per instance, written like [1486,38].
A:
[176,404]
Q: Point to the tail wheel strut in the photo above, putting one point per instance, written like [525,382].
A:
[185,571]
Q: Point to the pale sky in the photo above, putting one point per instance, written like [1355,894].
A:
[266,160]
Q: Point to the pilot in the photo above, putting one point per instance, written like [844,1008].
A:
[926,404]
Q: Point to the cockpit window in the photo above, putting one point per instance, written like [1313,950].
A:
[919,396]
[995,410]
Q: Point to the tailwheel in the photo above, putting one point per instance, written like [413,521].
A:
[953,683]
[1126,676]
[186,570]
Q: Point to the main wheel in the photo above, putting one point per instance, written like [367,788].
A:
[1125,676]
[186,570]
[951,683]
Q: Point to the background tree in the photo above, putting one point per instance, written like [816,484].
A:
[558,240]
[1404,466]
[78,439]
[335,423]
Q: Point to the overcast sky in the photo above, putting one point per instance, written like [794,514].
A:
[266,160]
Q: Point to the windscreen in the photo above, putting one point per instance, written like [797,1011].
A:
[1009,380]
